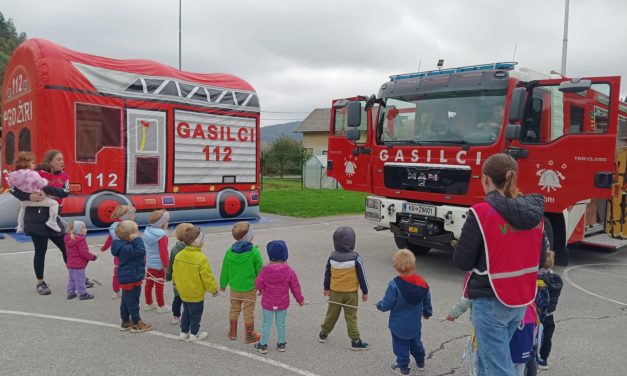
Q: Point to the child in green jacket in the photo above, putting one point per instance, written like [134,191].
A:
[177,302]
[240,267]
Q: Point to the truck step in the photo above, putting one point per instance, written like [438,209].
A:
[381,228]
[605,242]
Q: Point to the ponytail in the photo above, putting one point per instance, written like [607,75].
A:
[509,187]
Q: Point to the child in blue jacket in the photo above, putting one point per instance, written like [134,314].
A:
[407,298]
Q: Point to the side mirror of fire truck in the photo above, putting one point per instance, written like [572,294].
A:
[353,118]
[353,134]
[576,85]
[517,105]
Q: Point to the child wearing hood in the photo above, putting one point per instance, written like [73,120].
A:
[407,298]
[344,275]
[178,247]
[274,283]
[78,256]
[156,243]
[240,267]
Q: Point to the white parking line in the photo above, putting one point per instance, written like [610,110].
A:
[568,270]
[258,358]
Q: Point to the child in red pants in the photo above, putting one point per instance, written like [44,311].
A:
[157,260]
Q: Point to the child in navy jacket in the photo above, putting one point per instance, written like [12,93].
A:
[407,298]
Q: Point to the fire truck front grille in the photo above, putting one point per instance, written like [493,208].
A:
[451,180]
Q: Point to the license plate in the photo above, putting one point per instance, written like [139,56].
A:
[419,209]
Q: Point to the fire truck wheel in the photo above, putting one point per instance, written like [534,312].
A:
[231,204]
[101,209]
[417,250]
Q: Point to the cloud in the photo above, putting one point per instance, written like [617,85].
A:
[301,55]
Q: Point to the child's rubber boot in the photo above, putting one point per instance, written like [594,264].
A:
[233,330]
[251,335]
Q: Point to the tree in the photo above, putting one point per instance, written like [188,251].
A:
[9,40]
[285,154]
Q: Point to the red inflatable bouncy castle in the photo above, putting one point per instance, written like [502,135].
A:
[132,132]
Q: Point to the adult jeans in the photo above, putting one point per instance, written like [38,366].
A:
[403,347]
[76,281]
[129,306]
[192,313]
[495,325]
[279,318]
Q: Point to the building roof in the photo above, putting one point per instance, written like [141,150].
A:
[317,121]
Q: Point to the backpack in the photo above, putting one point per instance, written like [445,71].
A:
[543,299]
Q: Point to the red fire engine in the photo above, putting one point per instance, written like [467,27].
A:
[132,132]
[418,147]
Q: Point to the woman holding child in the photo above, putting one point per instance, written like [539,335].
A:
[35,218]
[501,245]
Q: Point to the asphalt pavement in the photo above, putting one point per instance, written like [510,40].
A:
[49,335]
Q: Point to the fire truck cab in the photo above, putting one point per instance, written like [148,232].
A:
[418,147]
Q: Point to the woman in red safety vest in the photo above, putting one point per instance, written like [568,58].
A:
[501,246]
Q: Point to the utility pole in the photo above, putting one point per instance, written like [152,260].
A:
[180,65]
[565,41]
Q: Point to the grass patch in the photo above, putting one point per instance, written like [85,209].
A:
[285,197]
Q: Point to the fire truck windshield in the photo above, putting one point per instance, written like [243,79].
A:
[467,118]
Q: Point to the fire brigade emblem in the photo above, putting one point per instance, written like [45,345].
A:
[350,168]
[550,179]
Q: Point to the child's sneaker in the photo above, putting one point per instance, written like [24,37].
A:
[85,296]
[357,345]
[150,307]
[323,337]
[281,346]
[198,337]
[141,327]
[261,349]
[175,320]
[71,296]
[53,225]
[399,371]
[164,309]
[420,364]
[183,336]
[126,325]
[543,364]
[116,295]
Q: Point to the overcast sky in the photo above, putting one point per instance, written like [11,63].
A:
[300,55]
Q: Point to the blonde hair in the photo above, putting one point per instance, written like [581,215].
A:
[179,231]
[125,229]
[156,215]
[121,210]
[404,261]
[550,260]
[502,169]
[240,229]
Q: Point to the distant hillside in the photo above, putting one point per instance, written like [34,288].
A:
[271,132]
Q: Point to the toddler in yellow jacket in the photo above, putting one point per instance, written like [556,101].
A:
[192,276]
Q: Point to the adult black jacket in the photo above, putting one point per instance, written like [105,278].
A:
[522,212]
[35,217]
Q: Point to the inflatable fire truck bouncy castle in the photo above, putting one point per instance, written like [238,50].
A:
[132,132]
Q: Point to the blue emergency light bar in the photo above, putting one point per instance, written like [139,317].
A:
[470,68]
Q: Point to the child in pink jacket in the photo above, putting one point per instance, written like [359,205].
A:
[78,256]
[274,284]
[27,180]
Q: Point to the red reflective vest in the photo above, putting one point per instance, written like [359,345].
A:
[512,256]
